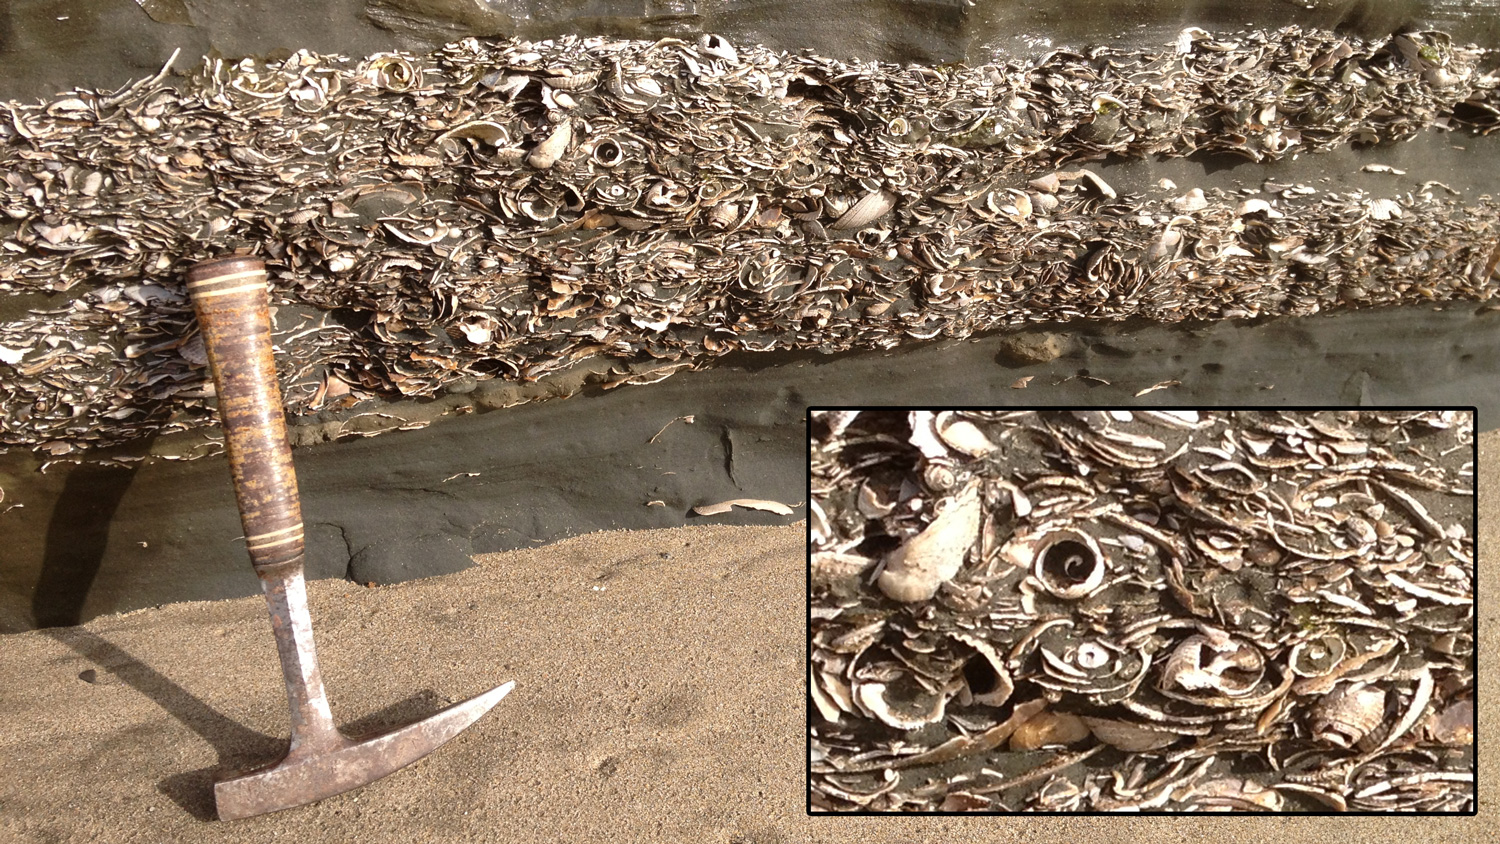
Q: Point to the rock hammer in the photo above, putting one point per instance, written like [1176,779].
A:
[232,302]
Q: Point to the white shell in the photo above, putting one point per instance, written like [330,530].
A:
[871,207]
[1068,589]
[550,150]
[916,570]
[963,435]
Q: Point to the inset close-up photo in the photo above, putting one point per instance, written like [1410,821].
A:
[1142,611]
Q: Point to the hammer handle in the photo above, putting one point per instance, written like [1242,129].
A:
[230,297]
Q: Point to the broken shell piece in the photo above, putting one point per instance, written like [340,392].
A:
[716,46]
[916,570]
[1455,726]
[986,677]
[902,703]
[1213,663]
[550,150]
[491,133]
[1316,657]
[1091,655]
[748,503]
[1348,713]
[871,207]
[1068,564]
[1133,738]
[1049,728]
[1087,175]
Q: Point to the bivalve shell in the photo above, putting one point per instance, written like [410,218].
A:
[1316,657]
[871,207]
[1049,728]
[1130,737]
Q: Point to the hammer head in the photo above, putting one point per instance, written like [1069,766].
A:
[327,766]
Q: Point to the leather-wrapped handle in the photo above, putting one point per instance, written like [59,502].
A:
[230,297]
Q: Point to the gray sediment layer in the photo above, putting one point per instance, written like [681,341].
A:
[92,540]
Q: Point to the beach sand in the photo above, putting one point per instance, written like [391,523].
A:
[660,697]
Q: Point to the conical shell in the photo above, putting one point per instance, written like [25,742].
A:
[550,150]
[916,570]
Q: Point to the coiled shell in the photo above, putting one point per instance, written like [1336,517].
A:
[1068,564]
[1348,713]
[393,72]
[607,152]
[1316,657]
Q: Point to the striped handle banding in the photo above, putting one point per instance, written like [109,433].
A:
[233,308]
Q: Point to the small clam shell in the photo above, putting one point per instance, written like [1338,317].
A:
[573,82]
[1124,735]
[1193,200]
[1048,728]
[550,150]
[916,570]
[1348,714]
[871,207]
[963,435]
[1256,206]
[1049,183]
[1068,564]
